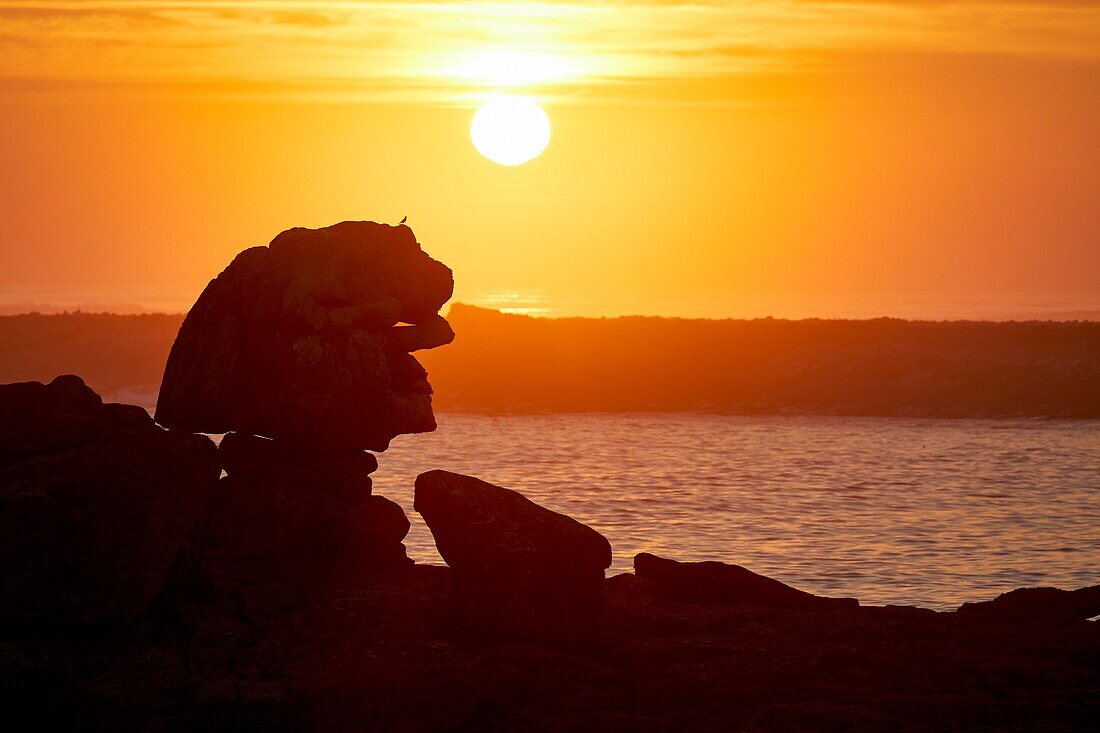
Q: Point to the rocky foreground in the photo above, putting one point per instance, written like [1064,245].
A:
[330,650]
[142,593]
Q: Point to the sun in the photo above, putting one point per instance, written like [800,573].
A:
[510,130]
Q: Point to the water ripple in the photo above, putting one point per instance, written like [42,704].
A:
[931,512]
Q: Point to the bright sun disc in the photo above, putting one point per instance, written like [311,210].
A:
[510,130]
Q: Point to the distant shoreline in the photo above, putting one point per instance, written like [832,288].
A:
[502,364]
[1068,316]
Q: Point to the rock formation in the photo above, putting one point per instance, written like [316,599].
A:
[96,503]
[298,351]
[294,350]
[718,582]
[281,508]
[520,570]
[299,341]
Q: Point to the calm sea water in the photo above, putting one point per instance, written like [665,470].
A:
[925,512]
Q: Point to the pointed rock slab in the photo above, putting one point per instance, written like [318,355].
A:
[299,341]
[720,583]
[520,570]
[96,504]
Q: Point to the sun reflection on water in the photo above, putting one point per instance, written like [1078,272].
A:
[516,302]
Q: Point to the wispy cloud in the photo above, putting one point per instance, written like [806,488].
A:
[448,51]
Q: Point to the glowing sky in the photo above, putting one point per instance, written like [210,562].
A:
[436,52]
[709,158]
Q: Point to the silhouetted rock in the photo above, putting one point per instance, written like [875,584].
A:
[519,568]
[286,462]
[1038,605]
[272,528]
[297,351]
[284,507]
[96,503]
[41,419]
[377,527]
[299,341]
[717,582]
[331,650]
[379,521]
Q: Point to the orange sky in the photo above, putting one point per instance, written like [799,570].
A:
[792,158]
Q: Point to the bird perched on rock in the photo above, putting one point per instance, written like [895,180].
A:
[403,220]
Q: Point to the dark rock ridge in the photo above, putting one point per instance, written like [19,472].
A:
[717,582]
[333,650]
[1040,605]
[43,419]
[299,341]
[520,569]
[514,363]
[885,366]
[96,504]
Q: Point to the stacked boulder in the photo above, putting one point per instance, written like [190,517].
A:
[519,570]
[300,351]
[98,505]
[282,507]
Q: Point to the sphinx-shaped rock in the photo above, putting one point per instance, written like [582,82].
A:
[520,570]
[717,582]
[301,352]
[96,503]
[300,341]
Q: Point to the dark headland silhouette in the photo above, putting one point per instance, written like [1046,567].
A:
[139,590]
[513,363]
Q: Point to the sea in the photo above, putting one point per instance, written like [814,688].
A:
[891,511]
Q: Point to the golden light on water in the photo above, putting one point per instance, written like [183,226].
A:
[514,302]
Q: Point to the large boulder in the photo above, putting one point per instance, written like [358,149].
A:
[519,569]
[299,341]
[96,503]
[717,582]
